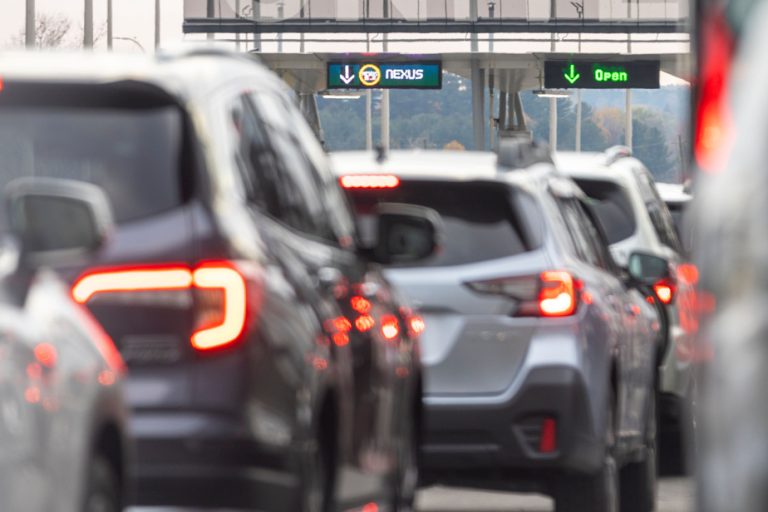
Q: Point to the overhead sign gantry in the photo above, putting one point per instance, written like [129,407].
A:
[385,75]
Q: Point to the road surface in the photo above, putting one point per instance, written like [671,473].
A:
[675,495]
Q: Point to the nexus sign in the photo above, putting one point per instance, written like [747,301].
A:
[385,75]
[638,74]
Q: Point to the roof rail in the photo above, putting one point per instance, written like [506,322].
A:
[616,153]
[520,152]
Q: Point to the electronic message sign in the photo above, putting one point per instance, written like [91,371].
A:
[596,74]
[385,75]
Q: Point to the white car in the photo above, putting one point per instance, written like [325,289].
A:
[635,218]
[677,197]
[62,414]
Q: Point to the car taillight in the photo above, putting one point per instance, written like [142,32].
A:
[219,288]
[390,327]
[665,291]
[549,294]
[714,133]
[370,181]
[557,296]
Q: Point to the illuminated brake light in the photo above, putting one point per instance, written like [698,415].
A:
[665,291]
[557,296]
[127,280]
[417,325]
[390,327]
[226,327]
[373,181]
[231,326]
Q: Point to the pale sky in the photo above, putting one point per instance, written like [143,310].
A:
[135,19]
[132,18]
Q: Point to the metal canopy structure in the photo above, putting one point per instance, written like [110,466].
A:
[481,26]
[436,16]
[500,45]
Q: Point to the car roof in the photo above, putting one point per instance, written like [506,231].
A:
[413,164]
[177,72]
[594,165]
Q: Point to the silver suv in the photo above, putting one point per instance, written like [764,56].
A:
[635,218]
[538,354]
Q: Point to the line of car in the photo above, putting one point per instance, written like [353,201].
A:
[252,325]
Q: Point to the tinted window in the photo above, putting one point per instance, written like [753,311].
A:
[479,223]
[134,155]
[612,207]
[659,213]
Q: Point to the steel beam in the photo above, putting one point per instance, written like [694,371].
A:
[481,26]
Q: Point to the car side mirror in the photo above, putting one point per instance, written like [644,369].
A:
[57,221]
[406,233]
[647,269]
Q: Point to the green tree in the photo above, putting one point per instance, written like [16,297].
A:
[649,143]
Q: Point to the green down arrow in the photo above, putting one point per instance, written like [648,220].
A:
[572,75]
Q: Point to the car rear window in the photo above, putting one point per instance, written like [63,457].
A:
[132,154]
[612,207]
[479,222]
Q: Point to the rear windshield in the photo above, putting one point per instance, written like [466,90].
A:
[479,223]
[134,155]
[612,207]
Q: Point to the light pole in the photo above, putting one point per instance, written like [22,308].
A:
[29,31]
[88,24]
[157,24]
[110,34]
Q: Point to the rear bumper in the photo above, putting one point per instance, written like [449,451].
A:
[208,461]
[465,440]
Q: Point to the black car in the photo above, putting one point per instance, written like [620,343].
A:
[270,365]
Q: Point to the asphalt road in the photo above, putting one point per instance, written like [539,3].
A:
[675,495]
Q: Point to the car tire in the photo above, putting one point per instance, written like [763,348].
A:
[102,490]
[598,492]
[638,479]
[407,474]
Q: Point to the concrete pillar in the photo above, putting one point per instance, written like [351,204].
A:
[553,123]
[369,120]
[578,120]
[157,24]
[385,119]
[478,105]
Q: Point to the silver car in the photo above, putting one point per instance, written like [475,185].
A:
[636,218]
[538,353]
[62,416]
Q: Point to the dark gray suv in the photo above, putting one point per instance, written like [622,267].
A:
[270,365]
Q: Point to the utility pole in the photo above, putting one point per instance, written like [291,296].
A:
[256,18]
[88,24]
[29,31]
[237,15]
[157,24]
[110,21]
[280,14]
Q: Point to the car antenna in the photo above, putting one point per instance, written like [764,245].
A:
[381,153]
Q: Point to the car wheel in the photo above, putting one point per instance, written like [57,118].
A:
[638,479]
[598,492]
[102,492]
